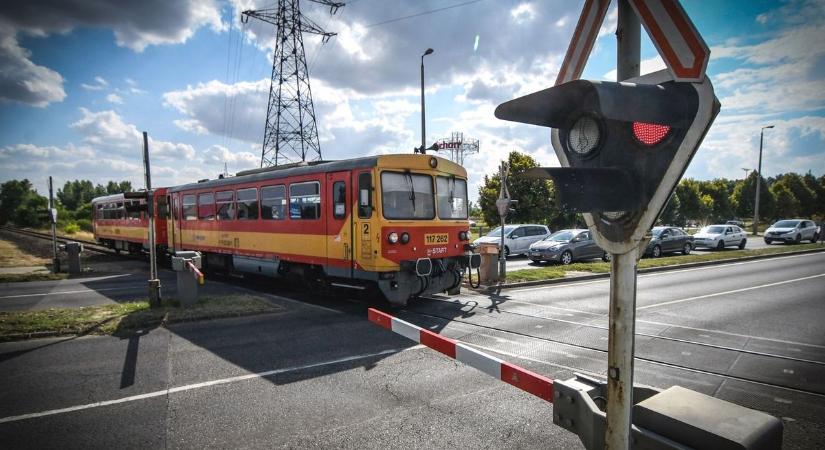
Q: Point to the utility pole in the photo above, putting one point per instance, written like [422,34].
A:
[154,282]
[429,51]
[53,220]
[622,313]
[290,133]
[758,183]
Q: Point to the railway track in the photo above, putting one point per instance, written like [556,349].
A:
[516,333]
[87,245]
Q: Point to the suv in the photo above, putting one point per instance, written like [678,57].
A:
[795,230]
[517,238]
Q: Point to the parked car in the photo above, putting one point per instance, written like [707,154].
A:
[517,238]
[736,222]
[720,236]
[795,230]
[566,246]
[669,239]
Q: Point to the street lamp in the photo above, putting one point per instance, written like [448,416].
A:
[758,183]
[423,127]
[746,172]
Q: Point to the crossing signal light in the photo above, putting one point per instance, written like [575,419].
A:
[622,146]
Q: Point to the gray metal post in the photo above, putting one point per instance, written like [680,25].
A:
[503,205]
[622,325]
[622,318]
[628,47]
[55,259]
[423,112]
[758,183]
[154,282]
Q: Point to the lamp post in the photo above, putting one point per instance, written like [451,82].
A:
[758,183]
[423,126]
[746,172]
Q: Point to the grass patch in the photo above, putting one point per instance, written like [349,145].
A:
[124,318]
[13,255]
[558,271]
[34,276]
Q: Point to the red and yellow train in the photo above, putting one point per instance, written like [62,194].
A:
[399,222]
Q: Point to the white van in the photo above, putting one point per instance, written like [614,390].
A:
[517,238]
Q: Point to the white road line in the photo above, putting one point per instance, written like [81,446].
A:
[190,387]
[83,291]
[699,297]
[573,283]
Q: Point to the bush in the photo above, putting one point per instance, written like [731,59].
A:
[84,224]
[71,228]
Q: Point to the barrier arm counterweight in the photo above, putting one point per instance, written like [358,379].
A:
[527,381]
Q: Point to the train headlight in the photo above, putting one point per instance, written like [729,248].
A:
[405,237]
[393,238]
[433,163]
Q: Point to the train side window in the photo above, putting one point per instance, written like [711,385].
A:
[163,207]
[190,207]
[206,206]
[365,195]
[305,200]
[339,202]
[175,207]
[273,202]
[99,211]
[225,205]
[120,213]
[248,204]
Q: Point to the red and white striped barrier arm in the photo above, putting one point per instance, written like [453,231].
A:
[197,274]
[523,379]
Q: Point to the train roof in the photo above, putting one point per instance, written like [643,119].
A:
[108,198]
[278,172]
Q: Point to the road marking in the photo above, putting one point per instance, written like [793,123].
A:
[205,384]
[699,297]
[83,291]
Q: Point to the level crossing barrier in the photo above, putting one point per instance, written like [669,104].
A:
[676,418]
[187,265]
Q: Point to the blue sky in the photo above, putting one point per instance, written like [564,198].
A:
[79,82]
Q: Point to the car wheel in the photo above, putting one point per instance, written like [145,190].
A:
[566,257]
[814,239]
[606,257]
[768,241]
[506,252]
[742,244]
[797,239]
[720,245]
[657,251]
[686,249]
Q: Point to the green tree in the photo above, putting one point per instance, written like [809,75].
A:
[21,205]
[536,199]
[804,195]
[672,212]
[743,198]
[689,199]
[114,187]
[787,205]
[720,191]
[76,193]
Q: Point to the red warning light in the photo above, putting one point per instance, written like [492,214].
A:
[650,133]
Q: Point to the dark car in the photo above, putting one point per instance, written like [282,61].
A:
[669,239]
[566,246]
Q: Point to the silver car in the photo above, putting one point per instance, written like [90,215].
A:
[566,246]
[517,238]
[720,236]
[795,230]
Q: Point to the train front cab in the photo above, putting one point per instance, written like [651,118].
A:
[411,227]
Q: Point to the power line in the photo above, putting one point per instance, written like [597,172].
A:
[424,13]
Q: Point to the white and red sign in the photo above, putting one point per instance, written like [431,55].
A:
[674,35]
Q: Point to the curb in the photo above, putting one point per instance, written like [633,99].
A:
[598,276]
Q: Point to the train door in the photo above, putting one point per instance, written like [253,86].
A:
[364,248]
[173,225]
[339,225]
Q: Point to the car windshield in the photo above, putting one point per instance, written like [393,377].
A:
[786,224]
[560,236]
[713,230]
[656,231]
[497,231]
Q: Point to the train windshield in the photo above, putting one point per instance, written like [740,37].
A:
[407,195]
[452,197]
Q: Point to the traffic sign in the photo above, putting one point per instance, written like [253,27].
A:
[587,30]
[674,35]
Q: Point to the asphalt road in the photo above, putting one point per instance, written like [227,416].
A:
[319,375]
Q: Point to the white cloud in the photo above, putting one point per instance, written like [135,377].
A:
[524,12]
[23,81]
[114,98]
